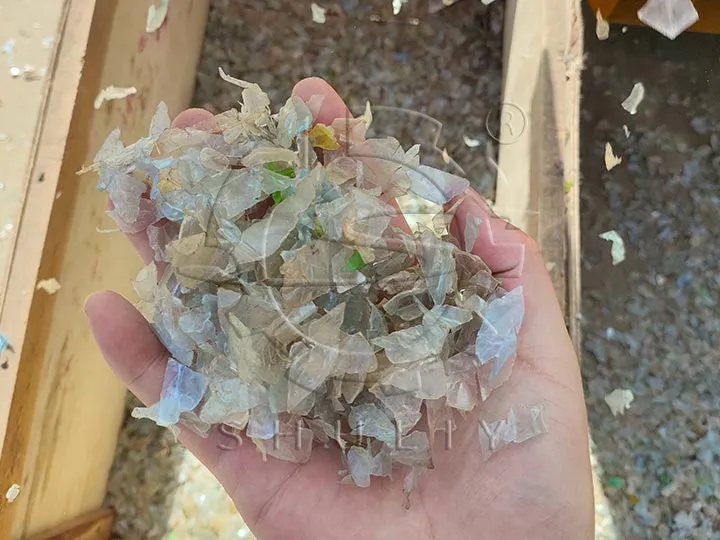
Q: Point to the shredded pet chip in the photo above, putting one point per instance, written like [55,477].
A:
[156,16]
[619,400]
[617,250]
[470,143]
[318,13]
[113,92]
[611,160]
[50,286]
[632,102]
[669,17]
[602,27]
[12,493]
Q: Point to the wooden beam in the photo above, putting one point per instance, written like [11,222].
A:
[96,525]
[67,406]
[538,135]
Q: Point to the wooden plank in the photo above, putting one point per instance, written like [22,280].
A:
[96,525]
[539,147]
[27,34]
[38,197]
[67,406]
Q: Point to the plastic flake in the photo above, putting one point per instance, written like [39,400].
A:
[12,493]
[669,17]
[293,307]
[611,160]
[156,16]
[113,92]
[619,400]
[602,27]
[632,102]
[318,13]
[50,286]
[617,250]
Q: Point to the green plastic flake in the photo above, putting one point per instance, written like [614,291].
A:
[615,482]
[280,168]
[665,479]
[355,262]
[280,196]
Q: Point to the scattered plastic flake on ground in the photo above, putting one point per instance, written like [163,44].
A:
[611,160]
[665,346]
[602,27]
[619,400]
[290,299]
[318,13]
[617,248]
[632,102]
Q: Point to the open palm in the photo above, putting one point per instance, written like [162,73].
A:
[539,489]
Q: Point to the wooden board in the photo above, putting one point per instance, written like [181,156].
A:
[538,188]
[61,431]
[625,12]
[28,36]
[96,525]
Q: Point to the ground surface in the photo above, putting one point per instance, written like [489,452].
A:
[650,323]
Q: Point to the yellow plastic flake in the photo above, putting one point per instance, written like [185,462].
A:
[321,136]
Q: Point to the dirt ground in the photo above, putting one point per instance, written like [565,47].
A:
[650,323]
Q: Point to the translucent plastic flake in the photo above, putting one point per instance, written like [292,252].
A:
[617,249]
[182,391]
[318,13]
[632,102]
[611,160]
[517,427]
[669,17]
[472,231]
[113,92]
[295,306]
[50,286]
[602,27]
[619,400]
[497,339]
[156,16]
[12,493]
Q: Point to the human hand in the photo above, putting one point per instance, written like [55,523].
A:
[539,489]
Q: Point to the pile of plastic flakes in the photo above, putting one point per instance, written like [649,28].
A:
[297,305]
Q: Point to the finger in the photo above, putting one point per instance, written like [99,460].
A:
[140,241]
[333,105]
[191,117]
[139,360]
[509,252]
[516,259]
